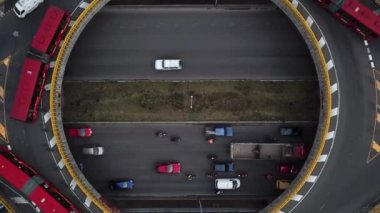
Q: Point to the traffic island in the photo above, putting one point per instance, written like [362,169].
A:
[191,101]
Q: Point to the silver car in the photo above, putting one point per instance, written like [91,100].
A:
[94,150]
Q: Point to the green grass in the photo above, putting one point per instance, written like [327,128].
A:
[170,101]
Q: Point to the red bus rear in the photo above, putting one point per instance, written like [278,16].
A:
[33,74]
[51,29]
[356,15]
[21,177]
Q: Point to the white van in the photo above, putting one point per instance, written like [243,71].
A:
[95,150]
[168,64]
[24,7]
[227,183]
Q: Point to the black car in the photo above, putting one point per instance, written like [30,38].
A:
[290,131]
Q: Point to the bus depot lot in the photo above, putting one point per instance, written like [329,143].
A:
[132,151]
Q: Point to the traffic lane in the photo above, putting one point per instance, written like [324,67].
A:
[217,43]
[347,174]
[132,150]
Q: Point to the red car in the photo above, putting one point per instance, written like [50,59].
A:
[80,132]
[169,168]
[288,169]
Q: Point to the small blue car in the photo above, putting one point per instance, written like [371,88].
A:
[224,167]
[125,184]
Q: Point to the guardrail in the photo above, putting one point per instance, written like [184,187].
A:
[322,135]
[304,25]
[55,105]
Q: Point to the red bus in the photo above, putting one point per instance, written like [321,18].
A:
[23,178]
[357,15]
[34,71]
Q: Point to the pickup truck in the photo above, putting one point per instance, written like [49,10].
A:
[226,131]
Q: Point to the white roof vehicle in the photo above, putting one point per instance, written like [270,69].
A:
[168,64]
[24,7]
[227,183]
[95,150]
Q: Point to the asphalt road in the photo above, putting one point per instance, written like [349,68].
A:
[121,43]
[132,150]
[348,182]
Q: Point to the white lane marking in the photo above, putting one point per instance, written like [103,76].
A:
[73,184]
[330,135]
[19,200]
[87,202]
[9,147]
[280,211]
[322,42]
[311,179]
[71,23]
[47,87]
[295,3]
[368,50]
[372,64]
[322,158]
[365,42]
[334,88]
[47,117]
[309,21]
[52,64]
[370,57]
[76,8]
[52,142]
[297,197]
[83,4]
[61,164]
[330,64]
[334,112]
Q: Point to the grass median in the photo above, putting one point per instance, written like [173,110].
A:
[191,101]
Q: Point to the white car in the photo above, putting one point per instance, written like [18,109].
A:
[227,183]
[95,150]
[24,7]
[168,64]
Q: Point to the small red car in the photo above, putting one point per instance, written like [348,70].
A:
[80,132]
[288,169]
[169,168]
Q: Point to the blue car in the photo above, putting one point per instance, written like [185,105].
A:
[126,184]
[224,167]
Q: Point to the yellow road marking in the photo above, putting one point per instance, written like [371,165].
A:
[378,117]
[3,131]
[6,61]
[377,85]
[375,146]
[1,92]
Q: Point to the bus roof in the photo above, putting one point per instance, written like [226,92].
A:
[48,28]
[46,202]
[12,174]
[363,14]
[25,89]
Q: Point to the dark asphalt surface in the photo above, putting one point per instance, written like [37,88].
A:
[348,182]
[132,150]
[28,141]
[121,43]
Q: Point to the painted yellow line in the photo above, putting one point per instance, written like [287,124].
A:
[378,117]
[7,205]
[375,146]
[327,109]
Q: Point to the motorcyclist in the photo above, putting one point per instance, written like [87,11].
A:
[161,133]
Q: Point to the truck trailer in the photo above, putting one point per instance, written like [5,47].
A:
[267,151]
